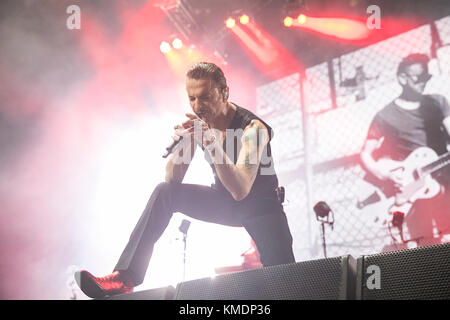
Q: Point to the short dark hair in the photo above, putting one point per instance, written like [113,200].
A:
[208,70]
[411,59]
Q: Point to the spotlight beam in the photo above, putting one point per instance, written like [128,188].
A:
[260,50]
[265,50]
[335,27]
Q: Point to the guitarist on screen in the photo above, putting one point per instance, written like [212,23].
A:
[413,130]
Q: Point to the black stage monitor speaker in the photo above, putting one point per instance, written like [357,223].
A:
[166,293]
[330,279]
[419,274]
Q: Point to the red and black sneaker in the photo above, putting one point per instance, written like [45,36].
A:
[99,287]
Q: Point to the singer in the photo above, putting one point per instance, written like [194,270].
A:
[236,143]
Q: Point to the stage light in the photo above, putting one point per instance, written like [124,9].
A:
[177,43]
[244,19]
[397,219]
[165,47]
[288,21]
[301,19]
[230,23]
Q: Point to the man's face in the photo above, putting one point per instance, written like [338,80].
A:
[415,78]
[205,99]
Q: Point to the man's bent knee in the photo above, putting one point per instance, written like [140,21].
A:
[162,194]
[164,187]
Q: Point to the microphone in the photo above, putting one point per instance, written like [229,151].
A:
[184,227]
[172,146]
[176,140]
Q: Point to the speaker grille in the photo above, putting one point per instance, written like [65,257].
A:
[313,280]
[420,273]
[245,285]
[166,293]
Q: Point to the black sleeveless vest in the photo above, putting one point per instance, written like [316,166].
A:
[266,180]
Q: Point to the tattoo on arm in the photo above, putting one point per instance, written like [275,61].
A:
[251,163]
[252,136]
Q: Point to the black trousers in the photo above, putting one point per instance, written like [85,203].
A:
[264,219]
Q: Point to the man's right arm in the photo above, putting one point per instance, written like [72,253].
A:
[179,162]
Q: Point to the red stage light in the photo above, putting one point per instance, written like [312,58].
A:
[230,23]
[244,19]
[288,21]
[301,19]
[165,47]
